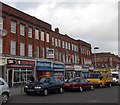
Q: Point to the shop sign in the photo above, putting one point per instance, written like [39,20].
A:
[50,53]
[77,68]
[44,64]
[15,63]
[58,65]
[87,62]
[69,67]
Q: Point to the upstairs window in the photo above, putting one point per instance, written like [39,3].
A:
[0,45]
[13,48]
[22,49]
[47,37]
[22,30]
[42,36]
[53,41]
[1,23]
[13,27]
[30,50]
[29,32]
[36,34]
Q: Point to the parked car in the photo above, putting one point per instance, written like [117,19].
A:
[4,91]
[44,86]
[100,79]
[116,77]
[78,83]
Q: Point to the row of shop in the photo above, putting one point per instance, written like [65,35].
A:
[20,70]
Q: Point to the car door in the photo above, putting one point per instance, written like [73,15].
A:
[84,84]
[51,84]
[58,84]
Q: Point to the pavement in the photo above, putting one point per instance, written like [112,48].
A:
[17,90]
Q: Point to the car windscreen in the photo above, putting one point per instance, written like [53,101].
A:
[71,80]
[114,75]
[94,76]
[44,80]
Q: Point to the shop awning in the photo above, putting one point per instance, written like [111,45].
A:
[59,69]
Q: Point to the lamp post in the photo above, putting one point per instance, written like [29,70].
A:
[95,48]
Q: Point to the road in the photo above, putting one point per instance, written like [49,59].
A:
[99,95]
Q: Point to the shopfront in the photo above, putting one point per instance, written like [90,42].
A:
[78,70]
[44,69]
[69,71]
[19,71]
[59,70]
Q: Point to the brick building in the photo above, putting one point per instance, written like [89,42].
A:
[31,41]
[106,61]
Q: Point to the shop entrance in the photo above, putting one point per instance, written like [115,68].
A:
[9,80]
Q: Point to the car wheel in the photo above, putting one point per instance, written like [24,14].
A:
[45,92]
[4,98]
[100,85]
[61,90]
[109,85]
[80,89]
[92,87]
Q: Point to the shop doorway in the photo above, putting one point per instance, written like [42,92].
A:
[10,78]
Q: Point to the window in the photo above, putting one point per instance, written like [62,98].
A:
[22,49]
[36,34]
[30,50]
[0,45]
[63,44]
[72,47]
[47,37]
[29,32]
[69,46]
[22,29]
[1,83]
[60,56]
[13,48]
[56,44]
[13,27]
[59,43]
[53,41]
[42,36]
[1,23]
[66,45]
[43,52]
[37,51]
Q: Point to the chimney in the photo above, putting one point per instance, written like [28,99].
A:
[57,30]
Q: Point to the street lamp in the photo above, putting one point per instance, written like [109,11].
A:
[95,48]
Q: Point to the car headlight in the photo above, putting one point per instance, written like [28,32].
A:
[26,86]
[37,87]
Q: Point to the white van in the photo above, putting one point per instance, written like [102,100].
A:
[4,91]
[116,77]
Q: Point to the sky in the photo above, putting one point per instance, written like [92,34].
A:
[93,21]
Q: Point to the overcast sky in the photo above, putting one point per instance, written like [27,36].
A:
[94,21]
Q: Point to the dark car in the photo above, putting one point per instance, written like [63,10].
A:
[79,84]
[44,86]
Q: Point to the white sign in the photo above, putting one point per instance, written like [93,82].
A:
[50,53]
[77,68]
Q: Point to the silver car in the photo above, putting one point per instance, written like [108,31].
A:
[4,91]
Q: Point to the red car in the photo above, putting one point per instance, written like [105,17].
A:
[78,83]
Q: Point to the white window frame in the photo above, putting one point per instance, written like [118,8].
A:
[42,36]
[29,32]
[37,34]
[53,41]
[63,44]
[1,42]
[47,37]
[13,48]
[1,23]
[22,29]
[13,27]
[56,42]
[22,49]
[30,50]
